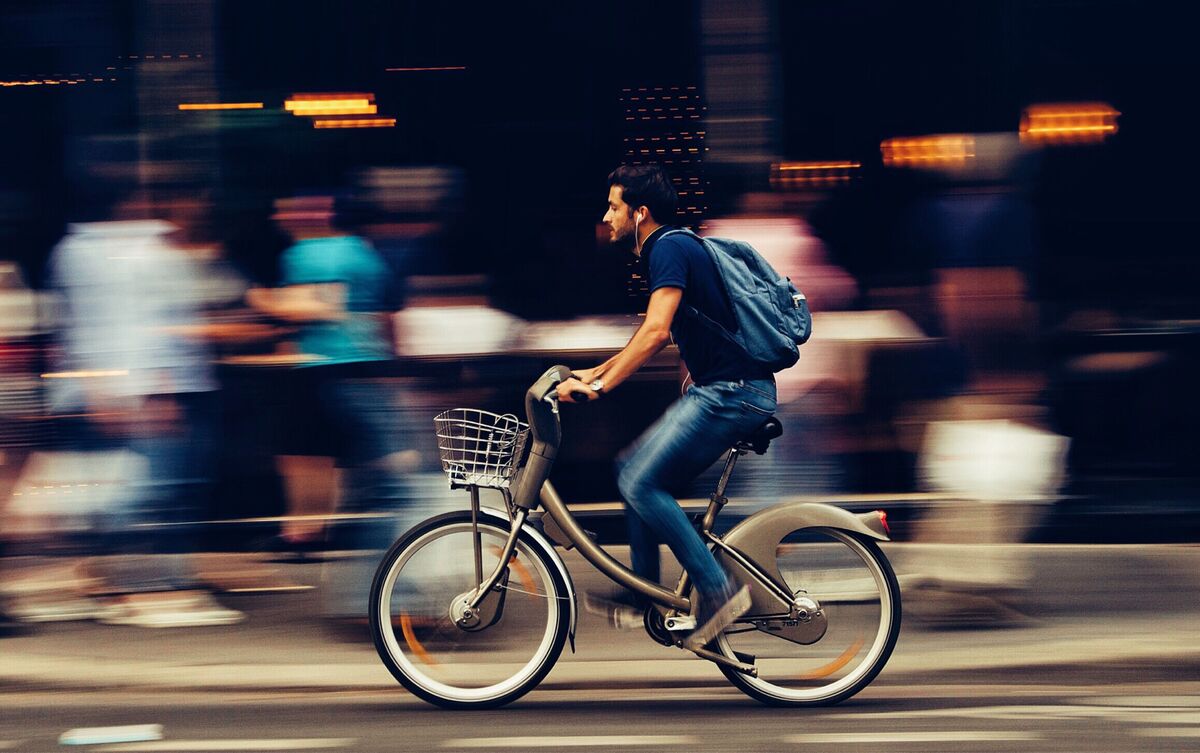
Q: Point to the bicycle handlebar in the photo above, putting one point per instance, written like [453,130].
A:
[542,412]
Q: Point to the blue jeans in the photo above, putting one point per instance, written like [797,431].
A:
[694,432]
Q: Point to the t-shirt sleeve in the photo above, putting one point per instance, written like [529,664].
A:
[668,265]
[307,266]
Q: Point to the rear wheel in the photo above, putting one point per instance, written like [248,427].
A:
[491,663]
[859,597]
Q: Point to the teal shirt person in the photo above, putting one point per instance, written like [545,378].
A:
[353,263]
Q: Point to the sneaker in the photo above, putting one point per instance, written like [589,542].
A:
[623,609]
[172,609]
[57,607]
[715,613]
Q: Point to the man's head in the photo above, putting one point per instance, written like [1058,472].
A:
[305,216]
[637,194]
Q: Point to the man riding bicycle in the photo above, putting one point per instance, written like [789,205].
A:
[729,395]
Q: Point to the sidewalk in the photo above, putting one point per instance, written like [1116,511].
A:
[1096,606]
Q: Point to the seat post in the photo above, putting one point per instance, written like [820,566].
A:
[718,499]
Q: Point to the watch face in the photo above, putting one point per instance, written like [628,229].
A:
[597,385]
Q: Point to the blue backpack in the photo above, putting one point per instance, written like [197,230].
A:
[772,316]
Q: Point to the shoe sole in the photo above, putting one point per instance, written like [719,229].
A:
[619,616]
[737,605]
[167,621]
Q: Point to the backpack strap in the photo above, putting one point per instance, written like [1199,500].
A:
[708,322]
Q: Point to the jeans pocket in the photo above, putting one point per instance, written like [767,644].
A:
[752,408]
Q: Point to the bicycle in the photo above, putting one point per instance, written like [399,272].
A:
[471,609]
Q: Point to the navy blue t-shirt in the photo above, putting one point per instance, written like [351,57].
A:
[679,261]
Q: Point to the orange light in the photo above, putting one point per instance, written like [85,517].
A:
[791,175]
[333,103]
[335,109]
[294,104]
[818,165]
[356,123]
[43,82]
[222,106]
[84,374]
[943,150]
[330,96]
[1068,123]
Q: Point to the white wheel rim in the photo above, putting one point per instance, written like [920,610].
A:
[877,645]
[451,692]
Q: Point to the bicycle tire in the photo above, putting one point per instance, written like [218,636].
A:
[879,651]
[405,671]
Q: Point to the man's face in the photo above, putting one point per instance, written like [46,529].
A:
[302,216]
[619,216]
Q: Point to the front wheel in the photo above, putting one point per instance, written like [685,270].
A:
[494,661]
[859,596]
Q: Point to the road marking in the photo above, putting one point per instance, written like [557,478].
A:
[204,746]
[960,736]
[1161,701]
[127,733]
[6,744]
[1045,712]
[589,741]
[1169,732]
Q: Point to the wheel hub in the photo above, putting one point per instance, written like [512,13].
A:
[488,612]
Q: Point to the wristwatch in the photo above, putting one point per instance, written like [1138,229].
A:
[597,386]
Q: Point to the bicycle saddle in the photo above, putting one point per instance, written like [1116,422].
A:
[759,439]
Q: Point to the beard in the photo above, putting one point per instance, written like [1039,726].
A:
[625,241]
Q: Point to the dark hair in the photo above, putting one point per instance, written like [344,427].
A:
[648,186]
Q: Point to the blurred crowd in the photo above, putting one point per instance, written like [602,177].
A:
[157,393]
[150,376]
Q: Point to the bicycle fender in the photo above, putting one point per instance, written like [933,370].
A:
[552,556]
[758,536]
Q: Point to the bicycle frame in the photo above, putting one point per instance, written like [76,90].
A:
[755,538]
[542,454]
[677,599]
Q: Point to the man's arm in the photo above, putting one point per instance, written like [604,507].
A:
[650,338]
[325,302]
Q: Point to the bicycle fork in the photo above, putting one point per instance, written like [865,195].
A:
[480,607]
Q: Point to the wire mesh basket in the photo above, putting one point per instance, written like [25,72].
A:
[480,448]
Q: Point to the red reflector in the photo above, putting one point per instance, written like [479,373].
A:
[883,519]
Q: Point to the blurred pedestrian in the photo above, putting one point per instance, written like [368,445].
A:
[132,379]
[333,288]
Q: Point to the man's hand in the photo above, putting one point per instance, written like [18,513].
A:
[587,376]
[575,391]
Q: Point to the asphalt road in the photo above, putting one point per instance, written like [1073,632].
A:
[1138,602]
[1097,709]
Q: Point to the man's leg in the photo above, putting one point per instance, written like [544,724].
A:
[690,436]
[368,418]
[643,542]
[693,433]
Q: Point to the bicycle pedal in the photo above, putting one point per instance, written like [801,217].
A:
[680,623]
[735,664]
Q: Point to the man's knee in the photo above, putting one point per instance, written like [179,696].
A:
[625,480]
[633,483]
